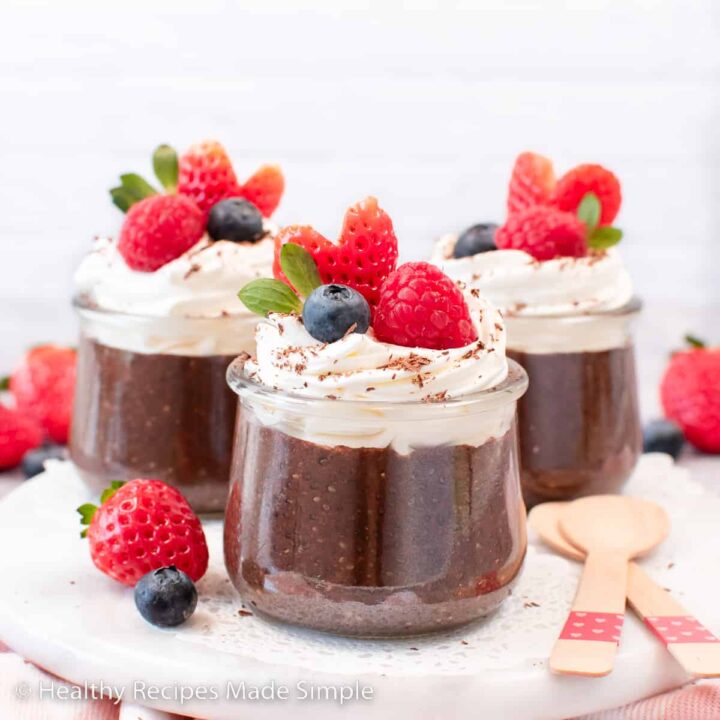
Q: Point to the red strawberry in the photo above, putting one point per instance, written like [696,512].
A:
[575,184]
[159,229]
[543,232]
[206,175]
[531,183]
[690,394]
[364,256]
[420,306]
[43,386]
[264,189]
[18,434]
[141,526]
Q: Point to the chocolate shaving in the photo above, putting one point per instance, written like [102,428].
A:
[194,267]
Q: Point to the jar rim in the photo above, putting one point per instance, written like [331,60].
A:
[631,307]
[509,390]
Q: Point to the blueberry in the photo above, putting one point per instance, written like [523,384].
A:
[235,219]
[33,462]
[166,597]
[476,239]
[663,436]
[331,310]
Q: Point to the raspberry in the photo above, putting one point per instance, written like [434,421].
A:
[18,434]
[690,394]
[420,306]
[364,256]
[543,232]
[159,229]
[573,186]
[264,189]
[43,386]
[206,175]
[142,526]
[531,183]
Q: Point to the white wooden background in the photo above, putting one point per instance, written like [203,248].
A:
[424,104]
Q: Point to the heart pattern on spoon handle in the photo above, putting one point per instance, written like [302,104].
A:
[598,626]
[672,629]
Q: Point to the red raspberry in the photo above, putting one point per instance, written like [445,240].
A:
[143,526]
[573,186]
[690,394]
[364,256]
[264,189]
[43,386]
[206,175]
[159,229]
[420,306]
[18,434]
[531,183]
[543,232]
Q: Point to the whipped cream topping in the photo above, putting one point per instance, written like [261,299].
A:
[359,367]
[200,285]
[520,285]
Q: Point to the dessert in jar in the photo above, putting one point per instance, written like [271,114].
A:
[375,487]
[554,271]
[160,321]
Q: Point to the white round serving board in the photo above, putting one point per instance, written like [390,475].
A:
[61,613]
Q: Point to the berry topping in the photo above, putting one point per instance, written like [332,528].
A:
[43,386]
[166,597]
[18,435]
[476,239]
[420,306]
[333,311]
[544,232]
[159,229]
[264,189]
[141,526]
[33,463]
[572,187]
[364,256]
[531,183]
[235,219]
[690,394]
[206,175]
[663,436]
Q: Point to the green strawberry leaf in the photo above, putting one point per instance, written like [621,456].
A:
[121,198]
[87,513]
[604,237]
[299,268]
[115,485]
[4,383]
[132,189]
[265,295]
[589,211]
[694,341]
[165,165]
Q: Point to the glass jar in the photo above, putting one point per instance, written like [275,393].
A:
[578,424]
[373,518]
[152,401]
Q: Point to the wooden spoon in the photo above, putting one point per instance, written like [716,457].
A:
[610,530]
[688,641]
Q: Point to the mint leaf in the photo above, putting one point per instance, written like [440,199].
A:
[299,268]
[589,211]
[694,341]
[115,485]
[604,237]
[4,383]
[165,165]
[266,295]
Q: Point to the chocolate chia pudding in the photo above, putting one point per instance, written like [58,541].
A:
[169,417]
[587,439]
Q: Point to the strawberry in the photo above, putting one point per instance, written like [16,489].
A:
[544,232]
[572,187]
[43,385]
[363,257]
[531,183]
[18,435]
[158,229]
[420,306]
[141,526]
[690,395]
[207,176]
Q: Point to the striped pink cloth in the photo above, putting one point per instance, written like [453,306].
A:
[692,702]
